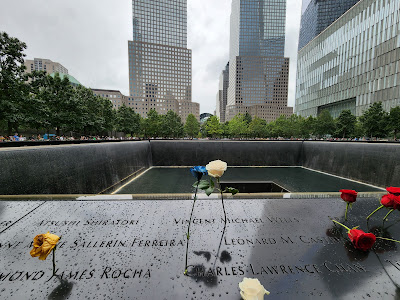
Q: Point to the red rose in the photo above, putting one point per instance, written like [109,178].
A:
[396,202]
[348,195]
[361,240]
[391,201]
[394,190]
[387,200]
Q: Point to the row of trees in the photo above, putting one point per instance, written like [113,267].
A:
[41,102]
[155,125]
[38,101]
[374,122]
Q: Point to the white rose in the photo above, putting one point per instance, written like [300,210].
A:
[216,168]
[252,289]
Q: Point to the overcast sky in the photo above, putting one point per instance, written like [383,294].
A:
[90,38]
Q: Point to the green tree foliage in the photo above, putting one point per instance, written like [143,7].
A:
[36,109]
[63,106]
[325,124]
[171,125]
[127,121]
[238,126]
[13,87]
[247,118]
[225,129]
[257,128]
[279,128]
[358,129]
[307,127]
[374,121]
[152,124]
[109,116]
[394,121]
[192,126]
[345,124]
[213,127]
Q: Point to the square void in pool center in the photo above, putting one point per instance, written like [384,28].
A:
[292,179]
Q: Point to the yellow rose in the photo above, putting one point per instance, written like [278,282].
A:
[252,289]
[216,168]
[43,244]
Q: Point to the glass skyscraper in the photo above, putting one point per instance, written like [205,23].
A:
[258,70]
[222,94]
[160,65]
[318,15]
[352,64]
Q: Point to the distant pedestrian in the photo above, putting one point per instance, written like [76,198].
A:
[16,137]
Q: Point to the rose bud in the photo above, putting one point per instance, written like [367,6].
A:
[349,196]
[198,172]
[216,168]
[396,202]
[252,289]
[387,200]
[361,240]
[394,190]
[43,244]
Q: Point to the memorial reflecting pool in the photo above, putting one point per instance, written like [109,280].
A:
[292,179]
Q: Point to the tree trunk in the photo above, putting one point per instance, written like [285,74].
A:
[9,129]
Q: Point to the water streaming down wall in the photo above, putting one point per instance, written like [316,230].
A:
[90,169]
[70,169]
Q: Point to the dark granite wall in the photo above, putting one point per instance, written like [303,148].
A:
[70,169]
[235,153]
[377,164]
[91,168]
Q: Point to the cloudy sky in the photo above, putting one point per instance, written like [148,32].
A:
[90,38]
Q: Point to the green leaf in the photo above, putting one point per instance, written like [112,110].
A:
[203,184]
[231,190]
[210,189]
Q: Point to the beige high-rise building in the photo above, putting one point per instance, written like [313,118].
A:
[115,96]
[41,64]
[160,65]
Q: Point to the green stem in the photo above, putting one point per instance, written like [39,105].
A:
[222,198]
[188,232]
[387,215]
[341,225]
[345,214]
[378,237]
[382,206]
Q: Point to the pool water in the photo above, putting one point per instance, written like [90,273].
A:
[293,179]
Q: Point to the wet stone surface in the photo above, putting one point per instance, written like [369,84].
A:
[12,211]
[136,250]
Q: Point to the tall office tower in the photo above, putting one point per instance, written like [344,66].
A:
[160,65]
[258,70]
[317,15]
[353,63]
[222,95]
